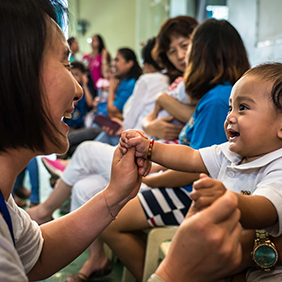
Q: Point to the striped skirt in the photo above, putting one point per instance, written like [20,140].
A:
[165,206]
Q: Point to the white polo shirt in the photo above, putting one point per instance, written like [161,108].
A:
[262,176]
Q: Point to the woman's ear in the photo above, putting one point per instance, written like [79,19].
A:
[130,63]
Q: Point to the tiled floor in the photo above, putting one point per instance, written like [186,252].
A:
[61,276]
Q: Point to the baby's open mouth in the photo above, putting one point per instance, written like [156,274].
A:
[233,133]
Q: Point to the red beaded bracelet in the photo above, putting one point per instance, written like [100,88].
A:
[149,154]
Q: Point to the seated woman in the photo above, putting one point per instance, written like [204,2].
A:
[126,71]
[32,106]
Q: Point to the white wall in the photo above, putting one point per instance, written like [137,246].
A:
[243,15]
[113,19]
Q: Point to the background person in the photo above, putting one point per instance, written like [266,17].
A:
[98,60]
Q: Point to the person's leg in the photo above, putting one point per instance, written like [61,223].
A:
[78,136]
[82,191]
[103,137]
[34,181]
[107,139]
[89,158]
[43,212]
[128,247]
[152,207]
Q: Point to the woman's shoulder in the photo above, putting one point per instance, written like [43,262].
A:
[219,92]
[155,77]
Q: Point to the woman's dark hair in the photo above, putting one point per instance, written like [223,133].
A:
[24,32]
[129,55]
[78,65]
[178,26]
[147,53]
[101,42]
[270,72]
[217,56]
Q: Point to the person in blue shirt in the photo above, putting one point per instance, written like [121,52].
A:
[126,71]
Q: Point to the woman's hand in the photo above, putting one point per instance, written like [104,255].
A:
[124,176]
[110,132]
[163,128]
[113,85]
[206,245]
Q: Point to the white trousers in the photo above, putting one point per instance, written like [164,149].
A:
[89,171]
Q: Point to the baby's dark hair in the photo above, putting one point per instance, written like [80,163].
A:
[270,72]
[78,65]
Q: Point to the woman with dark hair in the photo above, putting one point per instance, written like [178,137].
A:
[35,72]
[172,42]
[126,71]
[216,59]
[179,28]
[98,60]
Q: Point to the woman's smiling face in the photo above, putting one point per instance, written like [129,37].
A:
[59,86]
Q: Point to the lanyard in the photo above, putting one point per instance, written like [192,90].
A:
[6,215]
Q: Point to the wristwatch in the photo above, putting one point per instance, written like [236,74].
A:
[264,252]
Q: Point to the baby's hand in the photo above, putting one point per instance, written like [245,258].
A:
[205,191]
[134,138]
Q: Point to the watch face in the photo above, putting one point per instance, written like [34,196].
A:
[265,256]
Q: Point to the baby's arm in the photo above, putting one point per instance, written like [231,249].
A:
[178,157]
[257,212]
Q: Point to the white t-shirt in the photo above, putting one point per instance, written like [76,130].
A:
[262,177]
[177,91]
[142,101]
[16,262]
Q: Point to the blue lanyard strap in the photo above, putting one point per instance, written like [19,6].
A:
[6,216]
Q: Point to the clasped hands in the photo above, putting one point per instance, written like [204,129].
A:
[205,190]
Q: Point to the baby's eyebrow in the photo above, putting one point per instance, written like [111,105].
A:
[245,98]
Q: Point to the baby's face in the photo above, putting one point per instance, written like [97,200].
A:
[252,124]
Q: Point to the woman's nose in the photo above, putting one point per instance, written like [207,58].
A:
[78,91]
[181,54]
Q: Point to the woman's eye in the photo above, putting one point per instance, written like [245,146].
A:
[229,109]
[185,46]
[171,52]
